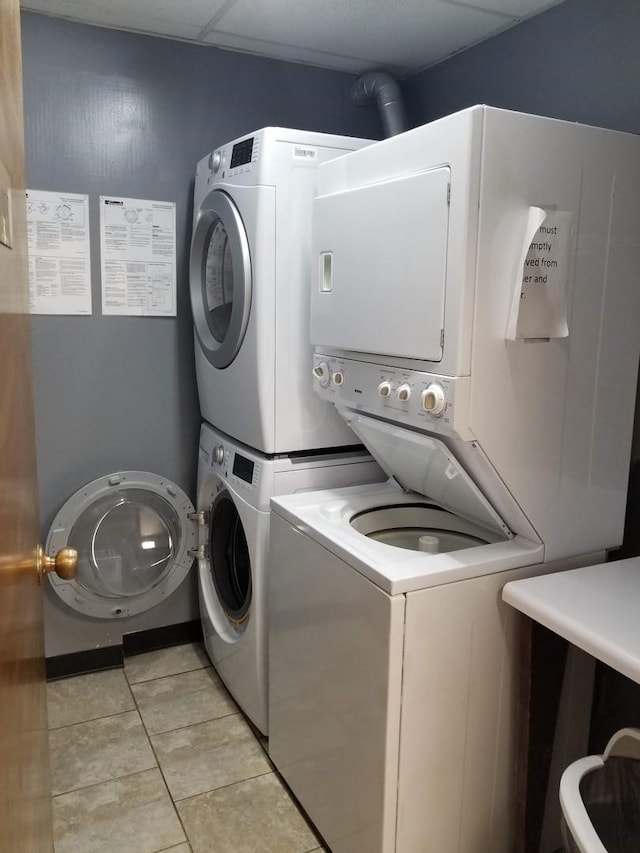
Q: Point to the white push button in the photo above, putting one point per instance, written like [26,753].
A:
[384,389]
[404,392]
[338,377]
[433,399]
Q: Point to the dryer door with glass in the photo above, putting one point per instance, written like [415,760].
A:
[135,536]
[226,580]
[220,278]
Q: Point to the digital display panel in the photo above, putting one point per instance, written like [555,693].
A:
[241,153]
[243,468]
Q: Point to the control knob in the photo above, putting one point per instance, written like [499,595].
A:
[404,392]
[433,399]
[218,453]
[384,389]
[322,374]
[338,378]
[214,161]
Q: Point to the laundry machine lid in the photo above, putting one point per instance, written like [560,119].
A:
[220,278]
[134,532]
[423,464]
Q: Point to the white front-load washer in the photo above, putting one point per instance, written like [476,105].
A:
[235,486]
[249,272]
[136,537]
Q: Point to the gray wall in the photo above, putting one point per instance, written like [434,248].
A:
[108,112]
[579,61]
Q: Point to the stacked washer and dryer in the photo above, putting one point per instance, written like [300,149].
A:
[265,432]
[136,532]
[474,312]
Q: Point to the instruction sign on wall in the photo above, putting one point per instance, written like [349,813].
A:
[138,257]
[59,253]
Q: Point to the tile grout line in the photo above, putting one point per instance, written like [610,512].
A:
[200,722]
[207,665]
[104,781]
[222,787]
[166,675]
[164,781]
[96,719]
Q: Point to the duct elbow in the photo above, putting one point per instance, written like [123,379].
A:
[381,87]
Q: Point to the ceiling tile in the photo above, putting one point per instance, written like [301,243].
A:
[511,8]
[185,19]
[291,53]
[403,36]
[408,33]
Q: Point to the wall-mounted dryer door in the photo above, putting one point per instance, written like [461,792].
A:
[220,278]
[226,579]
[135,541]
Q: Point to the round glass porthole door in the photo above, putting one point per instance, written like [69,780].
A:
[230,562]
[133,538]
[220,279]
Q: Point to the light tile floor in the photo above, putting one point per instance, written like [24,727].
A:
[157,757]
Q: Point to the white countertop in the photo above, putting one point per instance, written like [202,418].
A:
[597,608]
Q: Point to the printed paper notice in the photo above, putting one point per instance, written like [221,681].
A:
[59,253]
[138,257]
[539,308]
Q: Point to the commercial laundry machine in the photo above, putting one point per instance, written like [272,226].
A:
[235,486]
[485,351]
[249,282]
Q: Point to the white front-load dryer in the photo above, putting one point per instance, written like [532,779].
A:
[235,486]
[249,272]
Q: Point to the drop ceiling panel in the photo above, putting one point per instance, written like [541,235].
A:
[350,35]
[291,53]
[407,33]
[162,17]
[512,8]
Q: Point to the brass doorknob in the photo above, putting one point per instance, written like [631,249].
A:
[64,564]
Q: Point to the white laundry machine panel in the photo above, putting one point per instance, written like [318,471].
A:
[249,281]
[394,672]
[135,537]
[235,486]
[510,327]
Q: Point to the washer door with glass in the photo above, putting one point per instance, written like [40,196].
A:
[220,279]
[135,541]
[226,576]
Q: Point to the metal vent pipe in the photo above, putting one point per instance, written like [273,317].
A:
[381,86]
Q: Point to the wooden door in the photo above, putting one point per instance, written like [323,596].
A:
[25,804]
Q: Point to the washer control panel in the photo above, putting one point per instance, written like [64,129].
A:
[243,471]
[429,401]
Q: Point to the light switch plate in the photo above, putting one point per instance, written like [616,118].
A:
[5,207]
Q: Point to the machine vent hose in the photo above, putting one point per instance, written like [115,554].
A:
[381,86]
